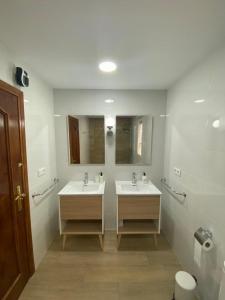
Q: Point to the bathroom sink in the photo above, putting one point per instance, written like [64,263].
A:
[78,188]
[137,188]
[93,187]
[126,188]
[129,187]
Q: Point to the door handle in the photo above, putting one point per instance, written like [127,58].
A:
[19,197]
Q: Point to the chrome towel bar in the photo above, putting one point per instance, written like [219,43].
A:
[49,189]
[163,180]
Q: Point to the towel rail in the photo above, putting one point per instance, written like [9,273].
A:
[172,189]
[50,188]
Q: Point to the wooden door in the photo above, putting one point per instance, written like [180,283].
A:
[74,140]
[16,254]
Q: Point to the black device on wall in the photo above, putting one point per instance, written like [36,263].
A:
[22,77]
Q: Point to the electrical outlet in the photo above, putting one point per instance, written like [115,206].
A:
[177,171]
[41,172]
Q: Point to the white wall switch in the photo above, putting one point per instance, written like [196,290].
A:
[177,171]
[41,172]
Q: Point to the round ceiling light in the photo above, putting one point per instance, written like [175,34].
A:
[109,100]
[107,66]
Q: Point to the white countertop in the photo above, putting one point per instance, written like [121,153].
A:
[126,188]
[78,188]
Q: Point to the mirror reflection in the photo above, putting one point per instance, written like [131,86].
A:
[133,139]
[86,139]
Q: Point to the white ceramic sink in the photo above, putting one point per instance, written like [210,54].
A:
[78,188]
[126,188]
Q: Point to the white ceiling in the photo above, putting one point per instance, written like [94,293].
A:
[153,41]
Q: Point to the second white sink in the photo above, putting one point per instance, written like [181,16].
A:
[126,188]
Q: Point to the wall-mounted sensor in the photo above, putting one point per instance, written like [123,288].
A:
[22,77]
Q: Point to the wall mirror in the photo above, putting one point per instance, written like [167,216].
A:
[86,139]
[133,140]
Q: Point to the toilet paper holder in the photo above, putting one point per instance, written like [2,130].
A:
[203,235]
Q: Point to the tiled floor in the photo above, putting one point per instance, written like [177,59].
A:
[83,272]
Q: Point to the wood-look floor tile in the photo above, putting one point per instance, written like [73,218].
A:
[137,270]
[145,291]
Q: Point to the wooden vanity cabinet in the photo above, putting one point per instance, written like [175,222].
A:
[138,215]
[81,215]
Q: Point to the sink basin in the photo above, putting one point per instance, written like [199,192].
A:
[91,187]
[126,188]
[129,188]
[78,188]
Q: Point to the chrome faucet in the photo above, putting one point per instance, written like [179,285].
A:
[86,178]
[134,179]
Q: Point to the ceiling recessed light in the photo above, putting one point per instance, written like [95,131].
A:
[199,101]
[56,115]
[107,66]
[109,100]
[164,116]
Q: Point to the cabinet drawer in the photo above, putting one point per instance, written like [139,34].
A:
[81,208]
[138,207]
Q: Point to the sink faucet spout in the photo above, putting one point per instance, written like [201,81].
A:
[134,179]
[86,178]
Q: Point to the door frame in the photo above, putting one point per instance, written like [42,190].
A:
[29,244]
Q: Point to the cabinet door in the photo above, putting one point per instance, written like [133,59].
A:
[139,207]
[81,207]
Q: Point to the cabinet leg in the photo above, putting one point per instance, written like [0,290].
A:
[101,241]
[64,241]
[118,240]
[155,240]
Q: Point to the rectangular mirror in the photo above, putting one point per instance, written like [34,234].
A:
[86,139]
[133,140]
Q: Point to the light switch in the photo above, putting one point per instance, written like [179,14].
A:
[177,171]
[41,172]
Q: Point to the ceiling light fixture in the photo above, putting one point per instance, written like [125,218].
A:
[109,100]
[107,66]
[199,101]
[57,116]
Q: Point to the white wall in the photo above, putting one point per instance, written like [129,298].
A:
[193,145]
[40,140]
[91,102]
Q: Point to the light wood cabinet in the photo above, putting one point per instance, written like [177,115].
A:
[138,215]
[81,215]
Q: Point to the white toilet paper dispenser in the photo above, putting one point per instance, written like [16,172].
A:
[204,237]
